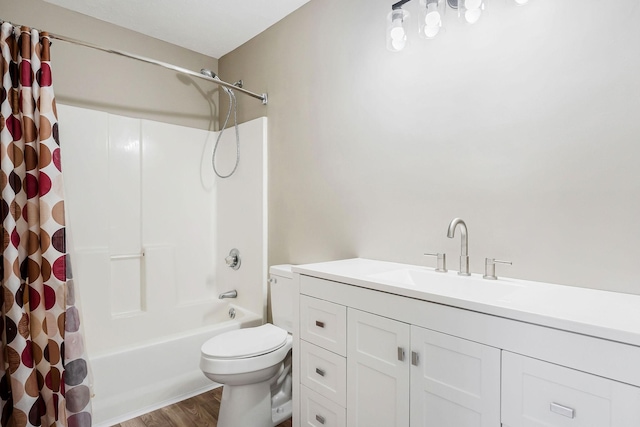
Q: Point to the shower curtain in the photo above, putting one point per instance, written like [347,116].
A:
[43,369]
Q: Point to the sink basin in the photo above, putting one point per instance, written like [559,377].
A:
[449,284]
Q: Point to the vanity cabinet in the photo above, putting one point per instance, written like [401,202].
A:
[368,357]
[403,375]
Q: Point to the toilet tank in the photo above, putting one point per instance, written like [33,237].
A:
[281,292]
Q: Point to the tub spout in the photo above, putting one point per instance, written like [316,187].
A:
[228,294]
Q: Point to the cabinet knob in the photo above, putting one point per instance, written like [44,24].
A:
[319,324]
[320,372]
[400,354]
[320,419]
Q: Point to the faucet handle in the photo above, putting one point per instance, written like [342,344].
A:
[490,268]
[442,262]
[233,259]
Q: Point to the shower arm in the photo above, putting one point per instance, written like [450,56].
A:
[263,97]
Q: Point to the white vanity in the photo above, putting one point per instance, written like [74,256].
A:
[379,344]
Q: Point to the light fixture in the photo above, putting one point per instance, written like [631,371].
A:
[396,32]
[471,10]
[431,16]
[431,19]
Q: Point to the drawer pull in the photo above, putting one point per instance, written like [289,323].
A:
[320,372]
[414,358]
[319,324]
[400,354]
[562,410]
[320,419]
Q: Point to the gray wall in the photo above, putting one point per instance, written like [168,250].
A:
[93,79]
[526,125]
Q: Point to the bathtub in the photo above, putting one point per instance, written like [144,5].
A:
[140,379]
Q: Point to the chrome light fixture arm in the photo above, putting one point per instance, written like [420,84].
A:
[399,4]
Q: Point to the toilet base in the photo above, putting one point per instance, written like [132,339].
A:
[281,413]
[245,405]
[249,407]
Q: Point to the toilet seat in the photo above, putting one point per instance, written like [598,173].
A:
[266,346]
[243,343]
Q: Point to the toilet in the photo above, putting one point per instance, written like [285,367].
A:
[254,364]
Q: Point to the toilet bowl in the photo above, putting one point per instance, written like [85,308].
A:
[246,361]
[250,363]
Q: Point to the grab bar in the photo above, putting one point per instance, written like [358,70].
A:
[126,256]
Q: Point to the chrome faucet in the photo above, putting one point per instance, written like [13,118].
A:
[464,248]
[228,294]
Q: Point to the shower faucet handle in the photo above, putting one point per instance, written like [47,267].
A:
[233,259]
[442,262]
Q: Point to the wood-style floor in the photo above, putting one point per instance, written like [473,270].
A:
[199,411]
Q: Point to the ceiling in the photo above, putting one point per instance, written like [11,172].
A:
[211,27]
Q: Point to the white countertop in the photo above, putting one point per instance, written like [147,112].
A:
[608,315]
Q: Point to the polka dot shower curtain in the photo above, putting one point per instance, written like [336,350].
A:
[43,370]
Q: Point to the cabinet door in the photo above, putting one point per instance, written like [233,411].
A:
[454,382]
[377,371]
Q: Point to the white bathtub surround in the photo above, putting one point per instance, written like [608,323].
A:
[466,352]
[151,226]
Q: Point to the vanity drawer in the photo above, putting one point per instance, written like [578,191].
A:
[541,394]
[323,372]
[318,411]
[323,323]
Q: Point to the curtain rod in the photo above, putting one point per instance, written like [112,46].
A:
[263,97]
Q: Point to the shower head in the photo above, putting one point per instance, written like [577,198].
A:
[211,74]
[207,72]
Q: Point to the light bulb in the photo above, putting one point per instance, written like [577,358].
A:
[397,33]
[521,2]
[431,32]
[472,15]
[472,4]
[398,44]
[473,10]
[432,18]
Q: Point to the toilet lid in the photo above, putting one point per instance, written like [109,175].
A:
[246,342]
